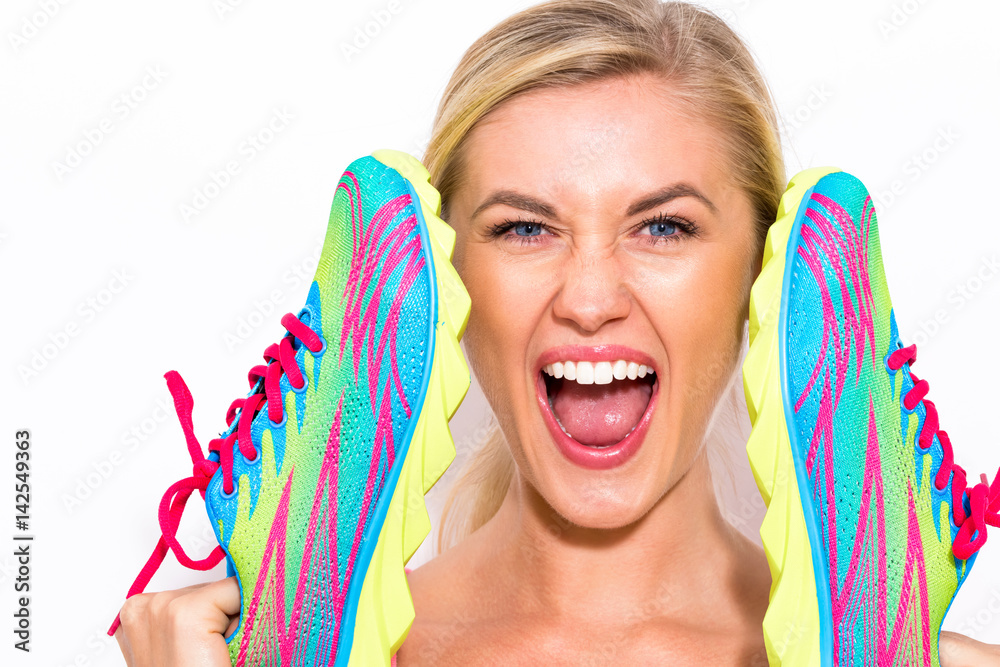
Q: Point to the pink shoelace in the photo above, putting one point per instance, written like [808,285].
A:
[279,359]
[984,499]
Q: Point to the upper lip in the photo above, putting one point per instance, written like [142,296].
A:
[593,353]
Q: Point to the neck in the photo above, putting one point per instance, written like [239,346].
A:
[680,553]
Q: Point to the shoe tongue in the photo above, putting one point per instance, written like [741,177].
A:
[600,414]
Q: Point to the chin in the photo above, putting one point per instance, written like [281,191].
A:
[602,505]
[599,498]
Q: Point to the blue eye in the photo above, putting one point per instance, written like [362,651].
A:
[662,229]
[527,229]
[520,232]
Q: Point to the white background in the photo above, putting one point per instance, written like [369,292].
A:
[854,94]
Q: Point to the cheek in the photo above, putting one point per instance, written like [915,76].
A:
[505,305]
[697,303]
[698,309]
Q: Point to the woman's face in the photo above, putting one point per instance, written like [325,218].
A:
[599,232]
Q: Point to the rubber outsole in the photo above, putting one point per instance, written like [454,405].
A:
[385,609]
[793,634]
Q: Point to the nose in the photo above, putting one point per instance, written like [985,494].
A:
[593,292]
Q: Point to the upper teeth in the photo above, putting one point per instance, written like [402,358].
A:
[602,372]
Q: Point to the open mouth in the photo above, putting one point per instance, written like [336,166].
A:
[597,411]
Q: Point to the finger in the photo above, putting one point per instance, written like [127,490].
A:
[124,646]
[221,600]
[174,592]
[960,651]
[224,594]
[203,618]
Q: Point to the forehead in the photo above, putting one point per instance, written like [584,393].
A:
[616,137]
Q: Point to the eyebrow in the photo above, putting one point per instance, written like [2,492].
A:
[516,200]
[667,194]
[538,207]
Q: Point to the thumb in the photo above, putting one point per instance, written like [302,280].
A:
[222,600]
[960,651]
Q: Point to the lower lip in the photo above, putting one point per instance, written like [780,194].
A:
[596,458]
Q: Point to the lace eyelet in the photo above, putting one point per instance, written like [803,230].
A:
[274,425]
[910,412]
[321,350]
[944,490]
[227,496]
[305,383]
[885,362]
[255,459]
[307,310]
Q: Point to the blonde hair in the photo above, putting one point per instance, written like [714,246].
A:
[569,42]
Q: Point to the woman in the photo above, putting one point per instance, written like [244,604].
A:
[611,170]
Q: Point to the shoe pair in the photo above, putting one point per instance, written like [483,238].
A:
[871,527]
[316,488]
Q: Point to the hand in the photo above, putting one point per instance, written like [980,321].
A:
[960,651]
[183,627]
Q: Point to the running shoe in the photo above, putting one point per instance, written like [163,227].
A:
[316,488]
[871,528]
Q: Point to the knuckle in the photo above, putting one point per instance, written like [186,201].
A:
[173,608]
[176,612]
[159,604]
[133,612]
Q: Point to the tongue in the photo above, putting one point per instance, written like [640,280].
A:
[600,414]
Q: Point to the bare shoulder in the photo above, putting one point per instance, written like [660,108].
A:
[448,598]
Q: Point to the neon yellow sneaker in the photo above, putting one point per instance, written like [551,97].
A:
[316,488]
[870,528]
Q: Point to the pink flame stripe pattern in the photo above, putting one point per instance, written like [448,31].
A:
[272,635]
[836,252]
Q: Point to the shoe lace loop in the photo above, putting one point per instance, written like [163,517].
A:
[279,359]
[983,498]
